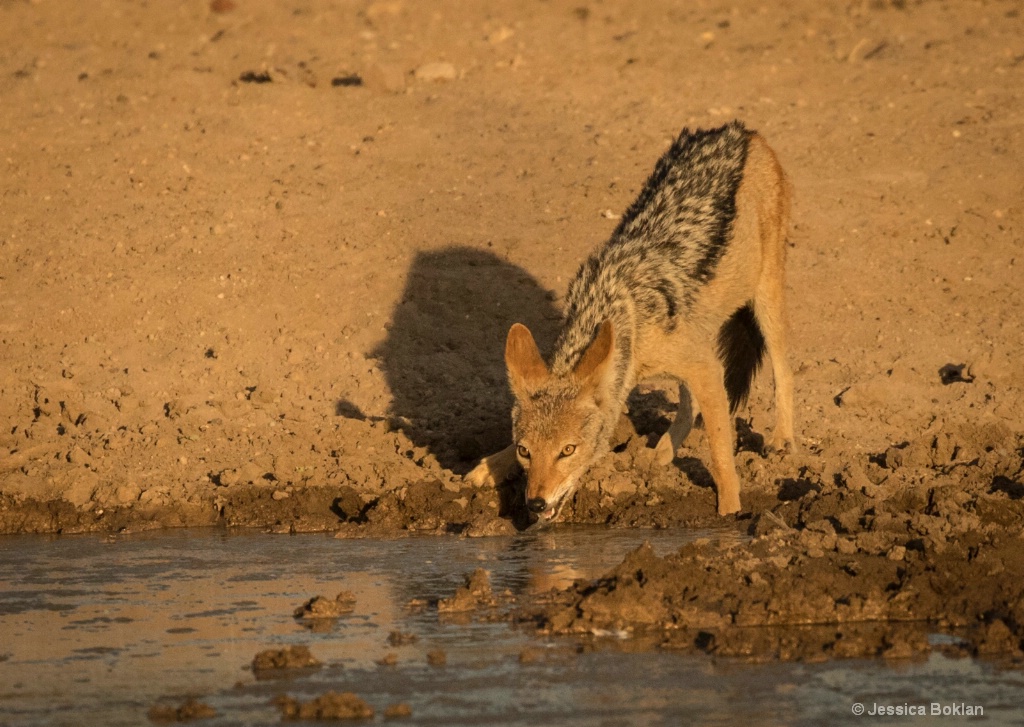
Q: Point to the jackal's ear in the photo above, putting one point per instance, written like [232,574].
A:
[594,364]
[526,368]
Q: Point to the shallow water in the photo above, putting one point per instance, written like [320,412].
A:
[94,631]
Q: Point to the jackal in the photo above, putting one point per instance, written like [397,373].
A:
[690,285]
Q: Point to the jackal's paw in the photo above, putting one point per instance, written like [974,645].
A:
[664,450]
[728,505]
[480,476]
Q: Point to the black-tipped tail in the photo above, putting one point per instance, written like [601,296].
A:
[741,349]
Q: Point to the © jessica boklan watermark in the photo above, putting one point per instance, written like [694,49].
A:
[929,709]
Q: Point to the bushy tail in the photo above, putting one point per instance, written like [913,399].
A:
[741,349]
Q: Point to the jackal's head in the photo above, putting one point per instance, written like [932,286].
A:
[557,421]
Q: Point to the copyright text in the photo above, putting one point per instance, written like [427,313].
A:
[932,709]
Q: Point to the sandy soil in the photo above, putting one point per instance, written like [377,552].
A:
[257,260]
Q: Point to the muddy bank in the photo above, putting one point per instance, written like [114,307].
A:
[977,467]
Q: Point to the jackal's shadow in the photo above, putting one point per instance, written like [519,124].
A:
[444,353]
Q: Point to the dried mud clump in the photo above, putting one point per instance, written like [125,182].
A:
[321,607]
[191,710]
[475,594]
[328,706]
[272,663]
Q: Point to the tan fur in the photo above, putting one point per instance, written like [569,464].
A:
[572,409]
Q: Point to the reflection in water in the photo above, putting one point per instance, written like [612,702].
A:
[94,631]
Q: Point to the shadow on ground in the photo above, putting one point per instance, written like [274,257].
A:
[443,355]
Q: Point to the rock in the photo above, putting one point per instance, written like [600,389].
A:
[81,489]
[385,77]
[619,484]
[500,35]
[850,520]
[821,526]
[874,543]
[154,497]
[79,456]
[126,494]
[897,552]
[227,478]
[856,479]
[250,472]
[846,546]
[818,536]
[865,49]
[915,454]
[437,71]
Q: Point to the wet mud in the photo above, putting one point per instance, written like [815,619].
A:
[862,555]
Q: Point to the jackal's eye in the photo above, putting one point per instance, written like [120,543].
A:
[523,451]
[568,449]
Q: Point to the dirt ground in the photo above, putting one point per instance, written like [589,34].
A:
[258,260]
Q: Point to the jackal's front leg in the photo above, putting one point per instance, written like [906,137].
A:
[709,390]
[494,469]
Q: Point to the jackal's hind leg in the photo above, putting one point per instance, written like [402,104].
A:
[668,445]
[770,309]
[770,312]
[494,468]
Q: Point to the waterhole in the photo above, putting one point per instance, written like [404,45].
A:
[97,630]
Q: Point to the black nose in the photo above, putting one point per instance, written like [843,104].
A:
[536,505]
